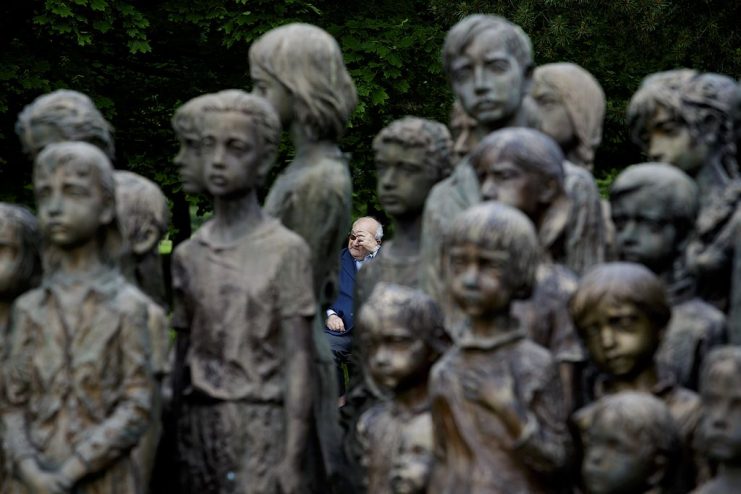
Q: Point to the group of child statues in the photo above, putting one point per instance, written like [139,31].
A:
[519,334]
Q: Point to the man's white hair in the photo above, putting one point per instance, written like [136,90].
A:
[379,227]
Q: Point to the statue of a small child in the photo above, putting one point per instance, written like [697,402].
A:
[79,382]
[570,108]
[631,445]
[413,461]
[719,435]
[403,334]
[412,154]
[496,399]
[243,302]
[621,311]
[63,115]
[654,207]
[185,123]
[502,51]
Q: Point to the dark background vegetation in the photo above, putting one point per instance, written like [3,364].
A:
[140,59]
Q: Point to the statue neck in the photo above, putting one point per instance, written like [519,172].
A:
[407,233]
[492,326]
[415,398]
[711,178]
[236,216]
[517,119]
[308,149]
[80,260]
[645,381]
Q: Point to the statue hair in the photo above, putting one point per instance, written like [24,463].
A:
[186,117]
[72,114]
[308,62]
[28,272]
[715,363]
[413,132]
[140,202]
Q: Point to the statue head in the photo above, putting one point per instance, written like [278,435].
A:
[656,119]
[404,336]
[412,154]
[185,122]
[239,142]
[490,255]
[654,206]
[709,102]
[20,262]
[570,108]
[631,444]
[720,389]
[620,311]
[413,462]
[142,212]
[489,62]
[75,200]
[462,128]
[299,69]
[63,115]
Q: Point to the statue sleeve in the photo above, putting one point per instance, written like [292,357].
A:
[125,424]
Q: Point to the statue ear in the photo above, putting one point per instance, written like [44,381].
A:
[548,191]
[107,213]
[145,240]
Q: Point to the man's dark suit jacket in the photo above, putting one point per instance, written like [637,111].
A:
[343,304]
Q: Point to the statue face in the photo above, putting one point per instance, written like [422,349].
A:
[720,427]
[620,338]
[669,141]
[477,279]
[70,203]
[397,357]
[412,465]
[552,115]
[462,129]
[277,94]
[404,179]
[614,463]
[643,232]
[10,256]
[488,80]
[188,161]
[505,181]
[231,153]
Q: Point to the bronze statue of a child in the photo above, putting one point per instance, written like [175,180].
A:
[403,335]
[631,444]
[412,154]
[719,434]
[185,123]
[621,312]
[497,402]
[79,382]
[654,207]
[243,301]
[500,50]
[413,461]
[63,115]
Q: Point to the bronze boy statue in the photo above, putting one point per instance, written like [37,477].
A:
[243,305]
[412,155]
[654,207]
[79,383]
[631,445]
[185,123]
[720,428]
[497,402]
[502,53]
[404,336]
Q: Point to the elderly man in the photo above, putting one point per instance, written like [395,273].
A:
[363,243]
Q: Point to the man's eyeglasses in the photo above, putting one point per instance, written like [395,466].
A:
[352,236]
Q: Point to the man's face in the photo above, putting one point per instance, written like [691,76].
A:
[362,240]
[552,115]
[278,95]
[70,203]
[231,154]
[669,141]
[507,182]
[620,338]
[613,462]
[477,279]
[643,230]
[720,427]
[397,357]
[404,180]
[188,161]
[488,80]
